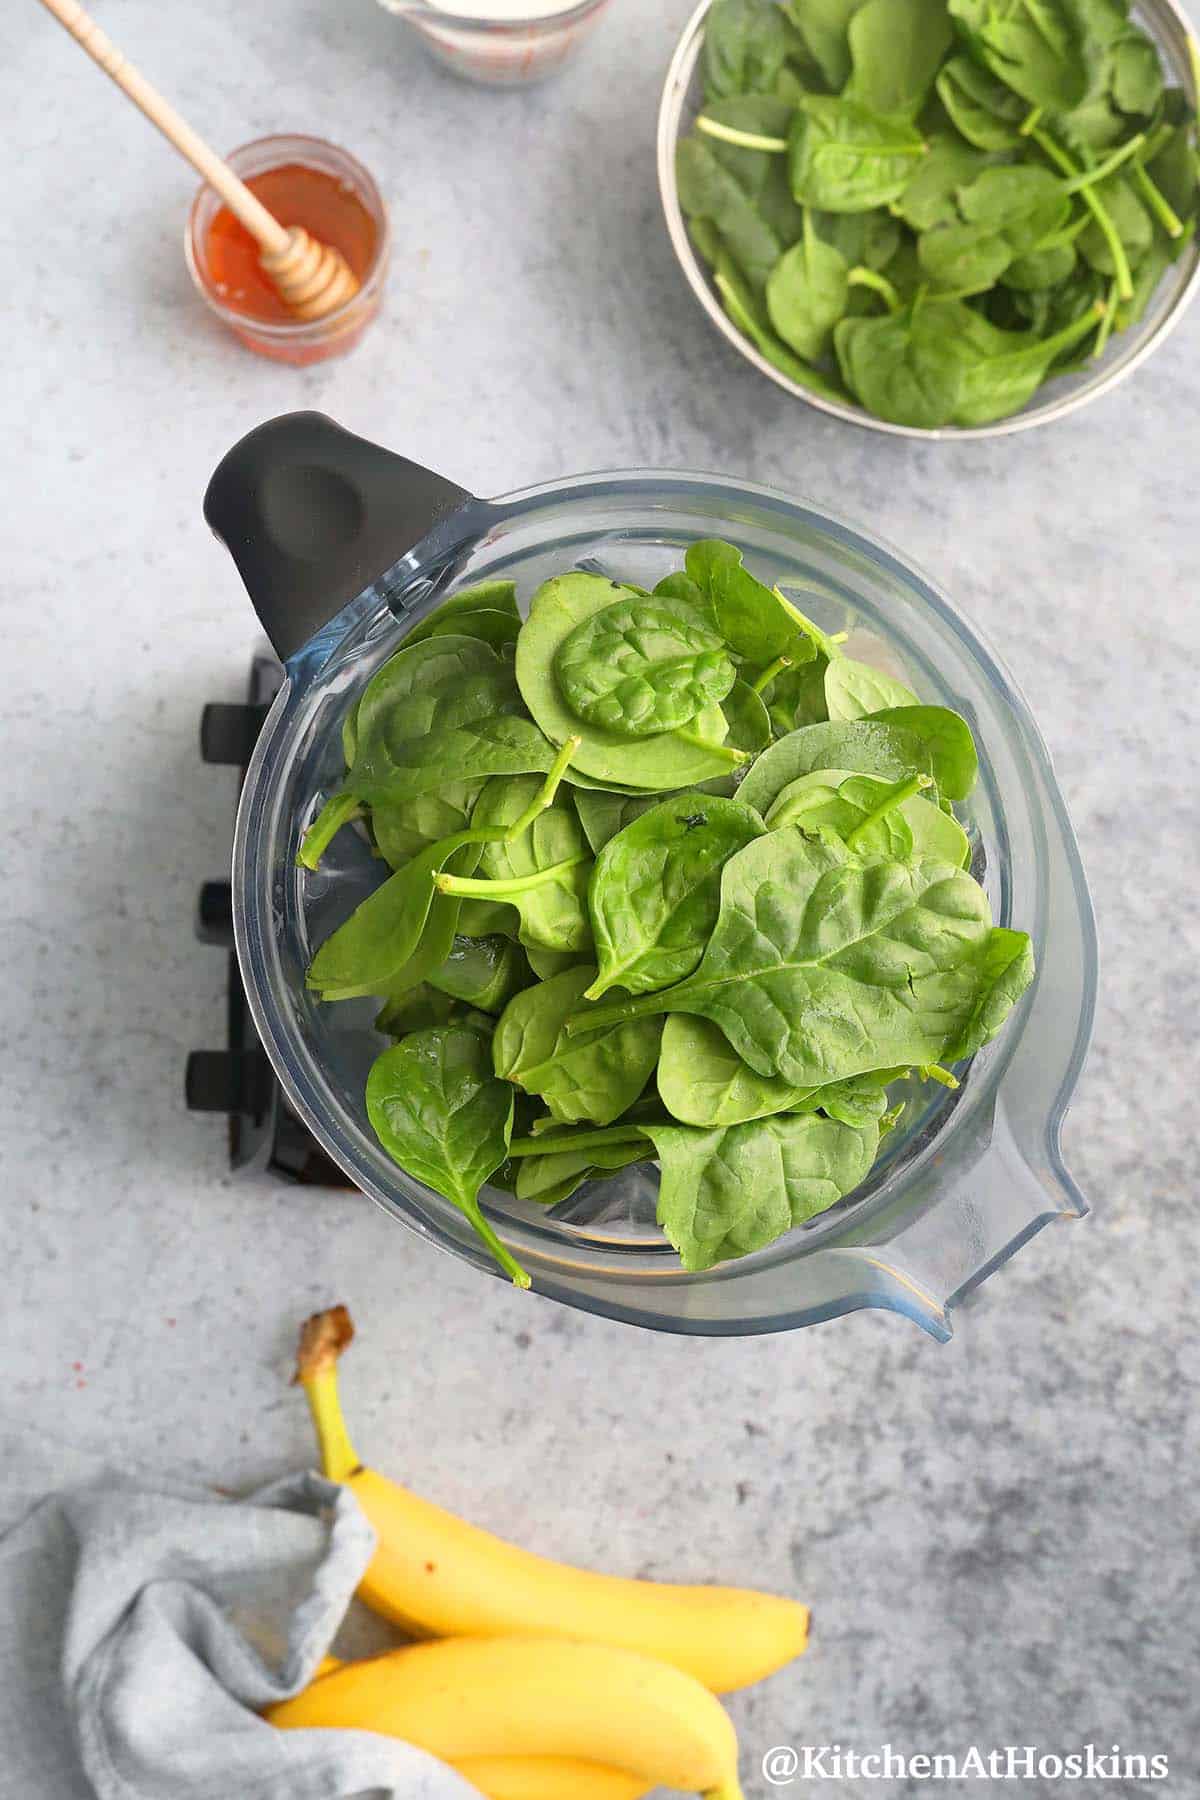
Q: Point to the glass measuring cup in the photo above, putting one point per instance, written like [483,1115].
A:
[505,52]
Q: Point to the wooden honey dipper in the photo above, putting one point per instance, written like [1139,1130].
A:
[312,278]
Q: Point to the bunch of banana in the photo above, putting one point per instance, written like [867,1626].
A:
[554,1681]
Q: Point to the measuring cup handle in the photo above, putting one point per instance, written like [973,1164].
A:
[313,515]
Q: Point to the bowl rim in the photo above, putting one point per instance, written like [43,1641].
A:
[257,902]
[431,13]
[674,94]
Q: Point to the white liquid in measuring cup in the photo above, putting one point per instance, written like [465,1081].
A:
[505,9]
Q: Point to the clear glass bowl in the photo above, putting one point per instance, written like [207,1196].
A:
[967,1177]
[681,101]
[499,52]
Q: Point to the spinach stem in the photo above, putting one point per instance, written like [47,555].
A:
[512,884]
[870,278]
[745,140]
[770,672]
[545,794]
[1095,206]
[1158,203]
[896,795]
[1029,121]
[575,1140]
[615,1014]
[1194,61]
[1106,323]
[1103,170]
[821,639]
[1066,236]
[935,1072]
[828,150]
[508,1262]
[329,821]
[724,751]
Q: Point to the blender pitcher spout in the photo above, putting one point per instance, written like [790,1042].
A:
[313,515]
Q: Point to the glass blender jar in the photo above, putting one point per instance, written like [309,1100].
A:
[343,547]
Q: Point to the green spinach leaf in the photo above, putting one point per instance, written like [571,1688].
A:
[640,667]
[822,966]
[440,1113]
[845,158]
[733,1190]
[593,1074]
[896,48]
[655,890]
[744,46]
[666,761]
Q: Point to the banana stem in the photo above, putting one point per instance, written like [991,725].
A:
[322,1340]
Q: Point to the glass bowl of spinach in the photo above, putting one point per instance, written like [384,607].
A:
[965,1175]
[936,218]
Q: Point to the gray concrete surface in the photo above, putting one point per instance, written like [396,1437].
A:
[999,1537]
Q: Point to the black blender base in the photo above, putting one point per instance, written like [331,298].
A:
[264,1132]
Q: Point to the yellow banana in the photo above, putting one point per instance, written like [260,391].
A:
[548,1778]
[533,1777]
[469,1697]
[435,1575]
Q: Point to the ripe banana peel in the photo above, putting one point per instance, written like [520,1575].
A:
[548,1778]
[464,1698]
[435,1575]
[534,1777]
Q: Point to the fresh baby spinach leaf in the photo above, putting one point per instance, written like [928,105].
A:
[543,872]
[503,744]
[403,828]
[483,972]
[984,110]
[896,49]
[703,1081]
[439,1112]
[845,158]
[1041,49]
[496,596]
[548,1180]
[824,26]
[378,940]
[822,966]
[593,1074]
[665,761]
[899,371]
[655,890]
[854,689]
[763,983]
[745,45]
[947,740]
[806,293]
[708,191]
[865,746]
[413,1009]
[733,1190]
[640,667]
[931,832]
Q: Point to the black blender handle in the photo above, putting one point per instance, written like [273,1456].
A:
[312,515]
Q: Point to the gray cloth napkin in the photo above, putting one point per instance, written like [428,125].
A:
[142,1623]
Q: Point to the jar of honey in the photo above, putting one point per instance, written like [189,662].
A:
[302,181]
